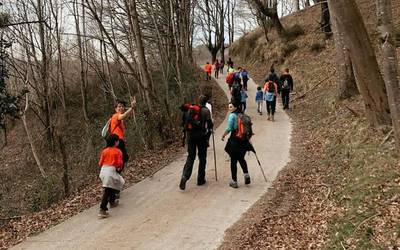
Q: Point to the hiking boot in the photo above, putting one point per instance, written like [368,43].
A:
[272,118]
[201,182]
[233,184]
[269,118]
[103,214]
[182,184]
[114,204]
[247,179]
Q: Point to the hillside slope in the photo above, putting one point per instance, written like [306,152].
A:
[340,190]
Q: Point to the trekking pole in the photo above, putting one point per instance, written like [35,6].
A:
[215,157]
[262,170]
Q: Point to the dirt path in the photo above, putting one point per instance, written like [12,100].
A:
[155,214]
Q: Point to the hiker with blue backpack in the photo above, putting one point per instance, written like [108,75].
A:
[286,82]
[239,128]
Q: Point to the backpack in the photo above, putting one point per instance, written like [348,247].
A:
[285,84]
[193,118]
[244,130]
[271,87]
[106,129]
[229,78]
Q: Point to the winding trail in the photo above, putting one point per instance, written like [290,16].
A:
[155,214]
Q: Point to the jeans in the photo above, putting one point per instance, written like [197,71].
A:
[216,73]
[194,144]
[285,98]
[259,106]
[108,197]
[238,158]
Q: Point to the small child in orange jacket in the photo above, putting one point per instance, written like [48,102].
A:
[110,162]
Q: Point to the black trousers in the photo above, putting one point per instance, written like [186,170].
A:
[216,73]
[285,98]
[108,197]
[121,146]
[245,80]
[243,106]
[271,106]
[235,158]
[199,144]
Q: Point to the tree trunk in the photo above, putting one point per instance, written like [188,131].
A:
[326,20]
[44,74]
[30,139]
[347,86]
[296,5]
[390,63]
[307,3]
[366,69]
[146,78]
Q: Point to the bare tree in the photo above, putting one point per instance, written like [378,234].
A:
[347,86]
[269,10]
[390,63]
[366,69]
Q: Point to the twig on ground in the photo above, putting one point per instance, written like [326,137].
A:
[11,218]
[341,243]
[353,111]
[387,137]
[313,87]
[362,222]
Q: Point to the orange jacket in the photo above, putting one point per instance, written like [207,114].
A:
[117,126]
[208,68]
[111,156]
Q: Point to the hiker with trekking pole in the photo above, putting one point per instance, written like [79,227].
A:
[198,127]
[239,128]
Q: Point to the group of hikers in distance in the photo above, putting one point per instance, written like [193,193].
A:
[197,126]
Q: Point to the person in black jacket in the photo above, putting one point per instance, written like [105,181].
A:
[286,83]
[272,76]
[198,132]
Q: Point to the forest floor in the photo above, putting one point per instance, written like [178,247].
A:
[16,229]
[340,190]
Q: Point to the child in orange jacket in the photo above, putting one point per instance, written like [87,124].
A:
[110,162]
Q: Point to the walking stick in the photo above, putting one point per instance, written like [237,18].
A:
[215,157]
[262,170]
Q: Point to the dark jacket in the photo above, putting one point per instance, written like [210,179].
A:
[289,79]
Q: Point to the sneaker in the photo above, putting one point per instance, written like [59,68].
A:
[269,118]
[182,184]
[233,184]
[201,182]
[247,179]
[103,214]
[272,118]
[114,204]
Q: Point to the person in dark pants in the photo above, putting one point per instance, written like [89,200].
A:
[270,94]
[235,147]
[286,81]
[198,128]
[245,78]
[112,182]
